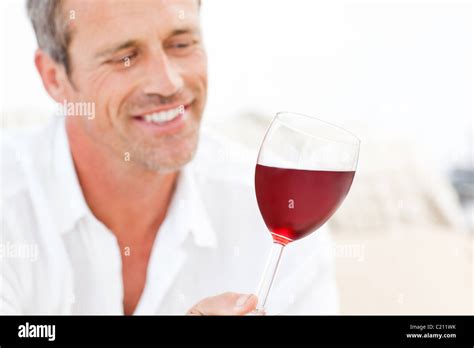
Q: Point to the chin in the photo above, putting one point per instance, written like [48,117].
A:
[169,158]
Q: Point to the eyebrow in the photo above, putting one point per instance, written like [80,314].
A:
[135,43]
[183,31]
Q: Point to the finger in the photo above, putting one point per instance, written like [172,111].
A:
[228,303]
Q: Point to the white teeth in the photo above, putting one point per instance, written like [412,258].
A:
[163,116]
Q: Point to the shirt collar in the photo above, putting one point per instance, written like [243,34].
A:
[187,210]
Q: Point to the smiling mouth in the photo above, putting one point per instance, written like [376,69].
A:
[158,122]
[164,116]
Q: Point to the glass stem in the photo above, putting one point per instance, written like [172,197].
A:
[268,276]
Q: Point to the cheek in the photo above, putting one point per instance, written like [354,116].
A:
[108,91]
[194,69]
[198,75]
[201,69]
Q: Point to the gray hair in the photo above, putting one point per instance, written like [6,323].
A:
[50,28]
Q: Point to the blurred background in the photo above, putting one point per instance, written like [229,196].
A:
[399,74]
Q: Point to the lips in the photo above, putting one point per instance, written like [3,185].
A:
[166,120]
[163,115]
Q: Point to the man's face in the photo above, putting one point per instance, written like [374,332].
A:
[143,64]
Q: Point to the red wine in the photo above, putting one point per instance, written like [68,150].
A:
[295,202]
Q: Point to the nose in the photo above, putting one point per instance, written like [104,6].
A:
[162,77]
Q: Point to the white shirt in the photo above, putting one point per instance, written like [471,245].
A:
[57,258]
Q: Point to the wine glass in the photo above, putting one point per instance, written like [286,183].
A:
[304,170]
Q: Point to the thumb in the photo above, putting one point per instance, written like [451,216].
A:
[229,303]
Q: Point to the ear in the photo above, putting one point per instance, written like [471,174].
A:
[52,74]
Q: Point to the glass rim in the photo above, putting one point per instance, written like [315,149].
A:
[279,114]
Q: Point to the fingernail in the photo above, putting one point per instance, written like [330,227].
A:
[242,300]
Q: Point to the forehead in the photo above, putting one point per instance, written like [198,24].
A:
[123,17]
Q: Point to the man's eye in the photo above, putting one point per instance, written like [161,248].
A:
[182,45]
[126,60]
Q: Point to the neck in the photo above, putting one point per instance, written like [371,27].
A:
[130,200]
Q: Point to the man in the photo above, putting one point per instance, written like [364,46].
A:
[122,219]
